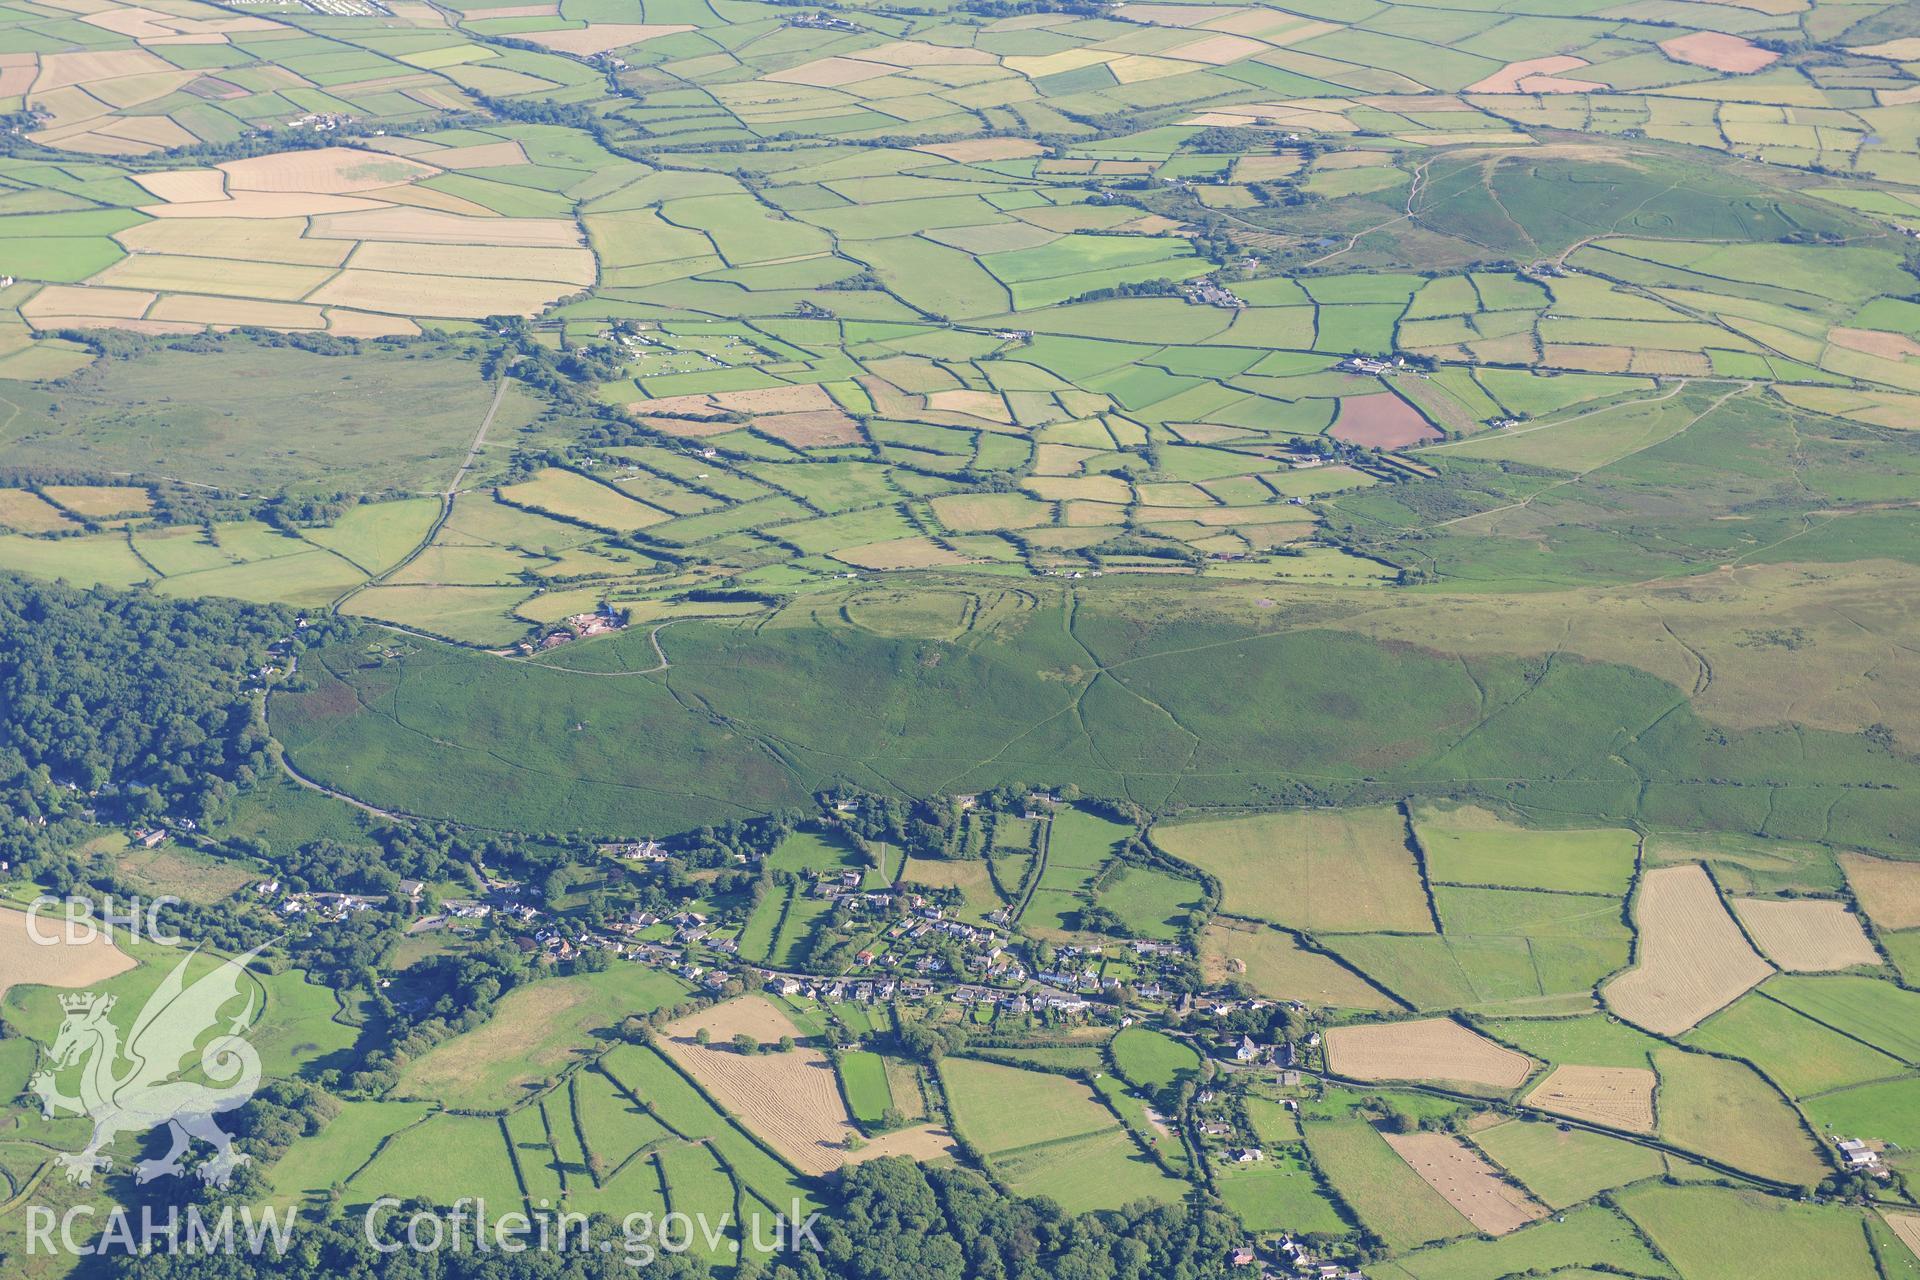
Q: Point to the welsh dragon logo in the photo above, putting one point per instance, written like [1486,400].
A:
[133,1087]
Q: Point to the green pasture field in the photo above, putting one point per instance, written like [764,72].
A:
[1584,443]
[1475,847]
[1564,1166]
[534,1157]
[377,536]
[571,495]
[971,877]
[1491,974]
[1587,1242]
[17,1060]
[471,615]
[1904,948]
[416,1161]
[1724,1109]
[1594,1040]
[699,1186]
[791,945]
[309,579]
[1150,1060]
[1889,1111]
[296,1020]
[1530,914]
[644,1074]
[1720,1234]
[1280,1193]
[1389,1198]
[815,851]
[1083,841]
[1799,1054]
[1149,1131]
[1100,1170]
[860,1019]
[756,938]
[1869,1009]
[616,1127]
[303,1029]
[863,1080]
[1152,903]
[1000,1108]
[102,560]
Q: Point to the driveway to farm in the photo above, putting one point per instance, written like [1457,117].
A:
[653,638]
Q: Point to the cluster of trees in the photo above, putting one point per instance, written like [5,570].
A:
[927,828]
[432,1001]
[124,707]
[123,344]
[287,511]
[887,1219]
[891,1218]
[1161,288]
[929,1041]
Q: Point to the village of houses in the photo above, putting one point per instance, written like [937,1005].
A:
[920,961]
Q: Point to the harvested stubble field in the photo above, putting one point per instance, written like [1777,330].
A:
[27,962]
[1889,891]
[1906,1226]
[1621,1097]
[1430,1049]
[1466,1181]
[792,1099]
[1807,935]
[1692,957]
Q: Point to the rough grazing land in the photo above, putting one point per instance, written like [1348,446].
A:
[1692,958]
[1618,1096]
[1466,1181]
[1431,1049]
[1807,935]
